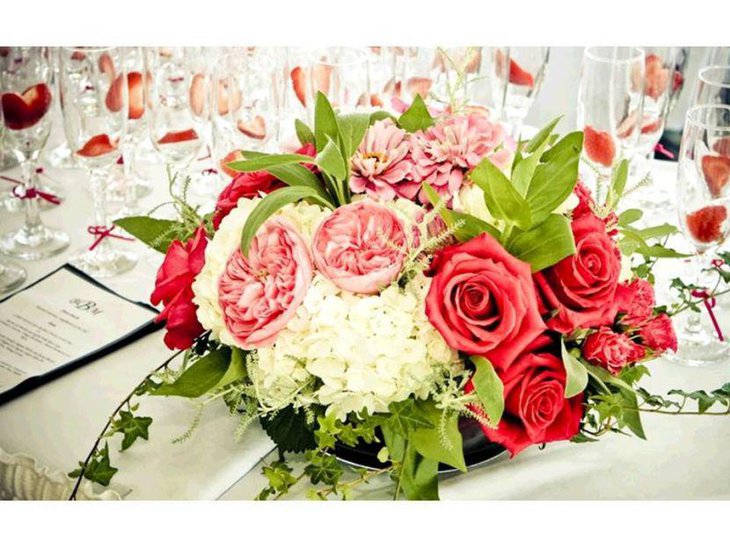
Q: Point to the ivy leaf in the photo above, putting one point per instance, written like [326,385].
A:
[288,428]
[543,245]
[134,427]
[304,133]
[202,376]
[443,441]
[270,205]
[500,196]
[417,117]
[576,375]
[156,233]
[405,417]
[630,417]
[323,468]
[99,468]
[419,476]
[489,388]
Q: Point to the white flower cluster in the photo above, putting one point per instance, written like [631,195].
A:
[346,351]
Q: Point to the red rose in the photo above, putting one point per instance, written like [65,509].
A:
[250,185]
[658,334]
[535,408]
[636,301]
[586,206]
[482,300]
[173,288]
[611,350]
[579,290]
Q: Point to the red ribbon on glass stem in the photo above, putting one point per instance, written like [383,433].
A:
[709,302]
[32,193]
[660,148]
[101,233]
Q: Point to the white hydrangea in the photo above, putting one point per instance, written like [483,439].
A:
[364,352]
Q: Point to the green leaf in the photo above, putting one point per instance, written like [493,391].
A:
[298,175]
[270,204]
[263,162]
[523,171]
[419,476]
[288,428]
[156,233]
[576,375]
[325,122]
[541,136]
[395,442]
[656,232]
[631,417]
[501,197]
[352,128]
[304,133]
[134,427]
[629,216]
[464,225]
[381,115]
[405,417]
[618,183]
[332,162]
[417,117]
[202,376]
[98,469]
[632,242]
[489,388]
[236,369]
[443,441]
[543,245]
[554,180]
[323,468]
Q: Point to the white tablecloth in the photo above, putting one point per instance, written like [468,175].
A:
[685,457]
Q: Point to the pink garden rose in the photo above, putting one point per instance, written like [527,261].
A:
[259,294]
[360,247]
[445,152]
[382,164]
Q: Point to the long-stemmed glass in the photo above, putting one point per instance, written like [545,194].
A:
[610,108]
[340,73]
[517,75]
[26,103]
[702,203]
[95,106]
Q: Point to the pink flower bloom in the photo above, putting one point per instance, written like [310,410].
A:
[445,152]
[382,165]
[259,294]
[360,247]
[658,334]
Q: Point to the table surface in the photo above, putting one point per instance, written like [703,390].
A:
[683,458]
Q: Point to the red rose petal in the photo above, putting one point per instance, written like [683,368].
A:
[657,77]
[599,146]
[705,225]
[97,145]
[178,136]
[298,80]
[235,155]
[716,170]
[419,86]
[26,110]
[197,94]
[255,129]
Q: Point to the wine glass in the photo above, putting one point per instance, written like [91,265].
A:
[341,74]
[713,86]
[177,101]
[95,107]
[610,109]
[678,80]
[26,103]
[245,107]
[517,74]
[455,70]
[703,198]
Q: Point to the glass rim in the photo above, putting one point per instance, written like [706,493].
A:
[693,116]
[591,53]
[358,51]
[716,83]
[89,49]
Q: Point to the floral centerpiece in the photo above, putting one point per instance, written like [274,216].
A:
[395,277]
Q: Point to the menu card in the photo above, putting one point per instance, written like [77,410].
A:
[59,323]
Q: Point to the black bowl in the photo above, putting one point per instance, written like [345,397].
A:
[477,449]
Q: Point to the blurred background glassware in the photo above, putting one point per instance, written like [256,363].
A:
[126,184]
[26,103]
[386,71]
[610,110]
[703,197]
[456,69]
[60,155]
[713,86]
[420,69]
[516,75]
[247,91]
[341,74]
[680,76]
[176,104]
[95,108]
[659,66]
[12,276]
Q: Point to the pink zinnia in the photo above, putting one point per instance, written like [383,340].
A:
[445,152]
[382,165]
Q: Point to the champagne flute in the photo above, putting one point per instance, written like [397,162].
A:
[610,109]
[517,75]
[680,66]
[26,104]
[341,74]
[95,108]
[703,199]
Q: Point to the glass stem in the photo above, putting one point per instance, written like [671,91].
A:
[32,214]
[130,189]
[700,262]
[515,123]
[98,195]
